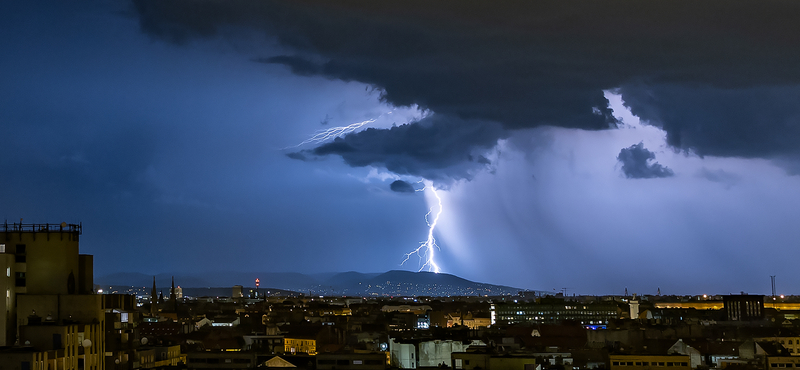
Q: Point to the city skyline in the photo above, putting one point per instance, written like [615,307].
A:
[594,147]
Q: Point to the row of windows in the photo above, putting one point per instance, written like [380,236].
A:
[783,365]
[646,363]
[573,313]
[582,319]
[555,312]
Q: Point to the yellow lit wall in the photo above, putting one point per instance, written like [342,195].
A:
[47,261]
[296,345]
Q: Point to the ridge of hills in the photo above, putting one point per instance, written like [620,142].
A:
[352,283]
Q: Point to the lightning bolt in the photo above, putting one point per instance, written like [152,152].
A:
[427,249]
[332,133]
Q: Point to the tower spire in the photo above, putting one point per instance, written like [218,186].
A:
[153,308]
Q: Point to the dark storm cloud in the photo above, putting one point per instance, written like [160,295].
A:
[639,163]
[401,186]
[746,122]
[436,148]
[533,63]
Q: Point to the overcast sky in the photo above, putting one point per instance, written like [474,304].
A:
[587,145]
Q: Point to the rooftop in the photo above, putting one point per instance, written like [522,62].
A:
[42,228]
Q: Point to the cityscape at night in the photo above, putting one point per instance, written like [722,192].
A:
[525,184]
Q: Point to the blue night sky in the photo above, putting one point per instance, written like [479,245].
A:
[592,145]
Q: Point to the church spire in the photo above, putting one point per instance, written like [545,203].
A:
[153,308]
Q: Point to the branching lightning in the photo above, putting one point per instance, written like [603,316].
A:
[427,249]
[332,133]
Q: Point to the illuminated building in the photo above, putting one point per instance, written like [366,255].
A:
[791,343]
[553,311]
[236,292]
[40,260]
[50,302]
[300,344]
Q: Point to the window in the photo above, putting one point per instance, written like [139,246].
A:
[638,364]
[20,258]
[20,279]
[20,249]
[615,363]
[645,363]
[684,364]
[2,248]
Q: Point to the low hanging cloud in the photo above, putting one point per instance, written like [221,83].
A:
[401,186]
[639,163]
[435,148]
[709,78]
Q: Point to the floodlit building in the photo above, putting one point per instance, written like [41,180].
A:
[39,260]
[52,311]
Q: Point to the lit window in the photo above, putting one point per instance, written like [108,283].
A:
[2,248]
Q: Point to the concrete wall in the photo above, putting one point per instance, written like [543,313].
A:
[50,257]
[403,355]
[435,352]
[7,300]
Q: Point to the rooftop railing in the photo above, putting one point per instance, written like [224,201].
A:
[41,228]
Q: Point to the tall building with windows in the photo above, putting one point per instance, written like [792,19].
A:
[39,260]
[553,311]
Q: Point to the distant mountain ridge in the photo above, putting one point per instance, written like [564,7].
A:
[391,283]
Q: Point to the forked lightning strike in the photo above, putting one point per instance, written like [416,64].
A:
[426,249]
[332,133]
